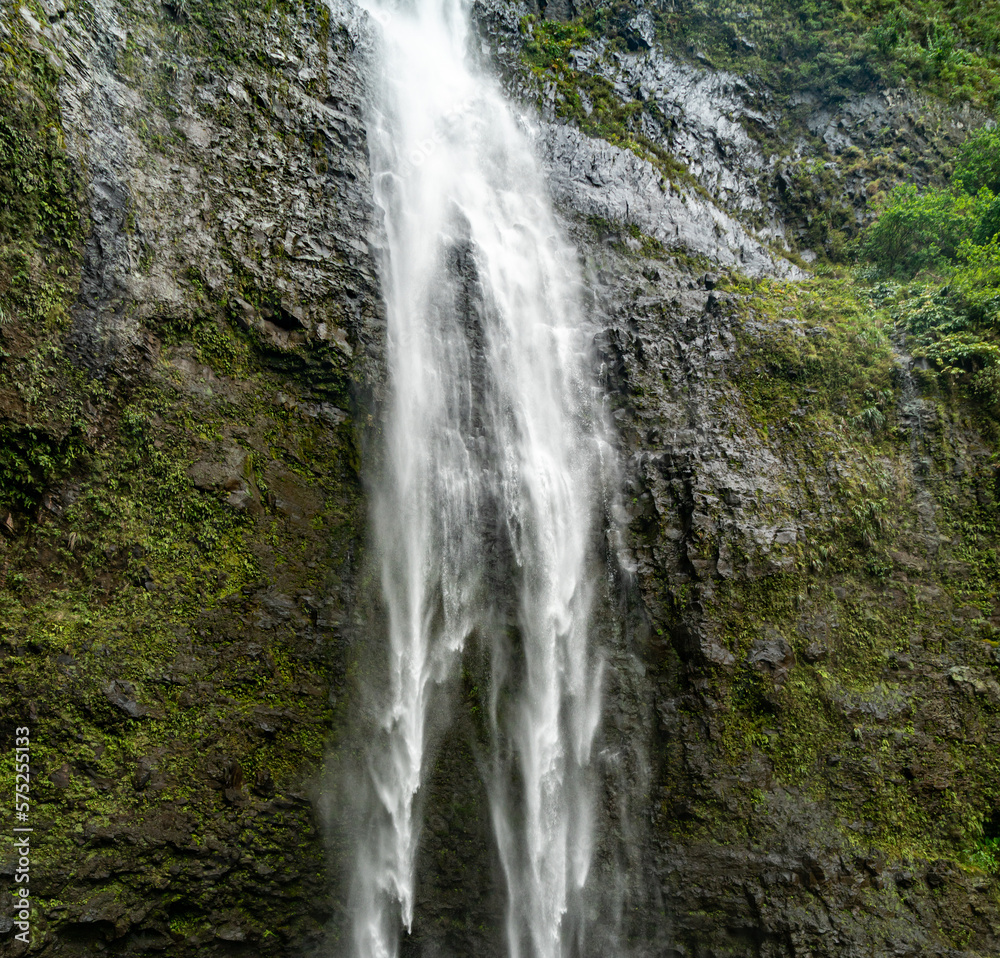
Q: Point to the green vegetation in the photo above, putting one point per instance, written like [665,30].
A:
[866,613]
[938,254]
[590,101]
[860,612]
[40,217]
[949,48]
[837,48]
[30,461]
[953,49]
[41,196]
[40,241]
[917,231]
[985,855]
[825,350]
[148,512]
[935,228]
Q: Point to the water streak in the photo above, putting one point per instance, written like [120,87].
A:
[487,513]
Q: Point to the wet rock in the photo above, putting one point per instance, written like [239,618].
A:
[975,682]
[121,694]
[230,932]
[610,183]
[143,774]
[61,777]
[263,785]
[772,656]
[641,32]
[271,721]
[232,473]
[228,470]
[815,652]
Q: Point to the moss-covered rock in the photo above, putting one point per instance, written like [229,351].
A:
[189,323]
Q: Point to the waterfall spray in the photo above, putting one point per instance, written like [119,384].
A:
[488,507]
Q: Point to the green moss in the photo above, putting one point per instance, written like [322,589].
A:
[817,357]
[590,101]
[40,219]
[42,204]
[115,566]
[831,45]
[141,566]
[866,721]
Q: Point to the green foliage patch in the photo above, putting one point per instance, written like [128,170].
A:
[856,723]
[41,223]
[952,48]
[39,186]
[31,459]
[41,232]
[820,343]
[921,230]
[939,249]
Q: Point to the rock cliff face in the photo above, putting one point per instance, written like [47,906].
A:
[800,751]
[189,367]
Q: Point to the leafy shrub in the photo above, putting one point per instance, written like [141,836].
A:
[917,231]
[985,855]
[930,229]
[956,325]
[989,223]
[986,383]
[889,32]
[977,280]
[978,163]
[929,313]
[961,352]
[550,41]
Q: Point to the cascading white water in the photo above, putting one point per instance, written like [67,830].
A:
[486,516]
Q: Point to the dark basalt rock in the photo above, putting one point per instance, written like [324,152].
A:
[121,695]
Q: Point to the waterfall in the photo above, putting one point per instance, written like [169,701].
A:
[487,518]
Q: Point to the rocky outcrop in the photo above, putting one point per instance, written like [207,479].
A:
[601,181]
[217,182]
[178,593]
[800,168]
[705,114]
[806,653]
